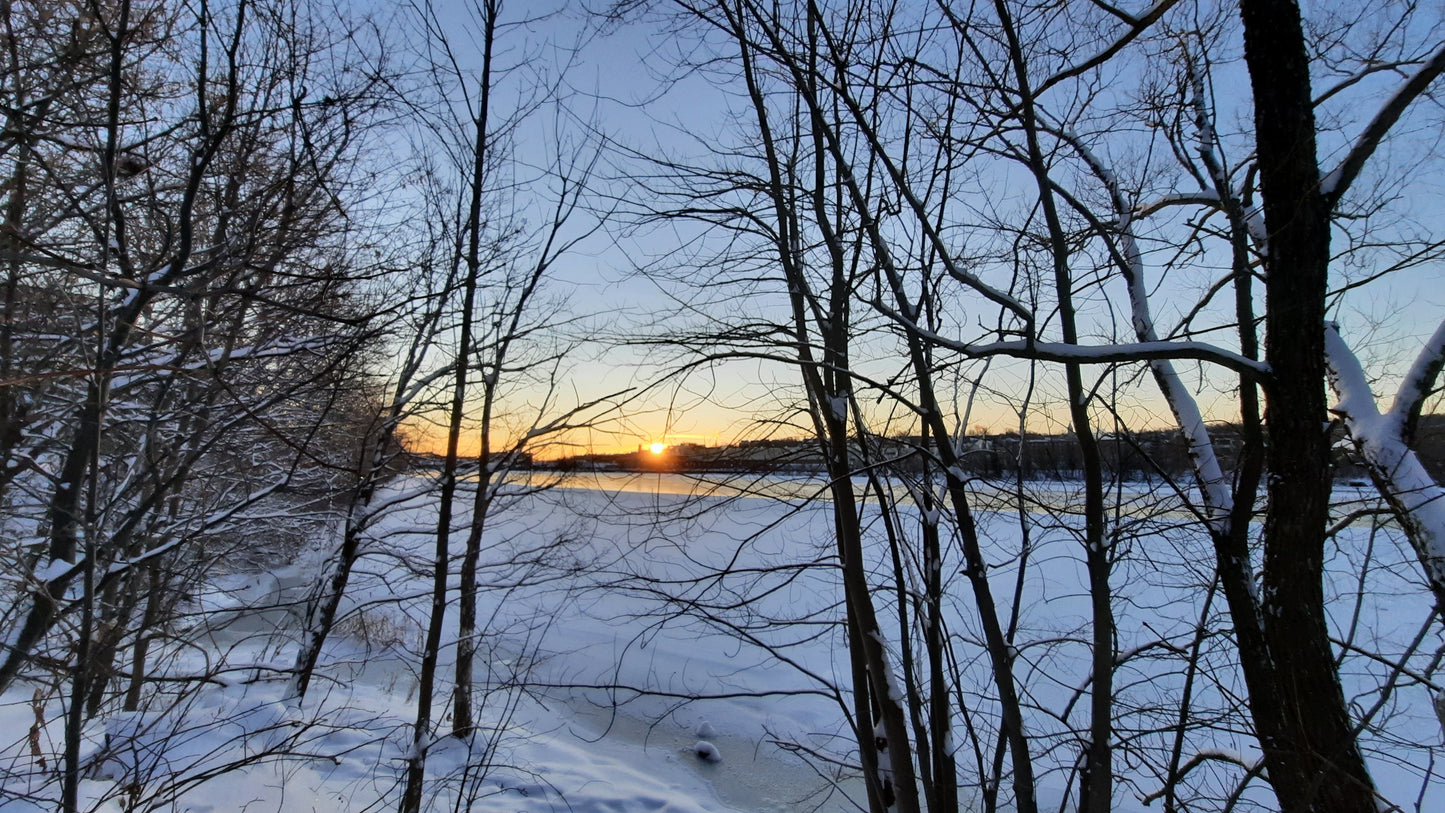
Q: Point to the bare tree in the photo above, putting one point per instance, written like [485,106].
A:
[1061,282]
[511,345]
[179,245]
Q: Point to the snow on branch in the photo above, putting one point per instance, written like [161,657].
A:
[1214,486]
[1085,354]
[1421,378]
[923,218]
[1117,353]
[1226,755]
[1416,499]
[1201,198]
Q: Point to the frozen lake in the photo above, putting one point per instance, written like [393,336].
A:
[628,617]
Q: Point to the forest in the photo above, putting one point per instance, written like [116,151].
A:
[1036,405]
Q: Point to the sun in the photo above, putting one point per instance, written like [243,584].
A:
[658,448]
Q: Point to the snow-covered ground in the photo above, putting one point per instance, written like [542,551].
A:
[626,673]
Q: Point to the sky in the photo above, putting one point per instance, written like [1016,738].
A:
[623,82]
[612,85]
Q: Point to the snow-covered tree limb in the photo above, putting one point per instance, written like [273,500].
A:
[1214,486]
[1419,382]
[1417,500]
[1087,354]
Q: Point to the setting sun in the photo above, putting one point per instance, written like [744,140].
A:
[658,448]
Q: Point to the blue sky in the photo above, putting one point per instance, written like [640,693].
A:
[625,83]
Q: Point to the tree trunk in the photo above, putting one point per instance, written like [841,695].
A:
[1313,758]
[462,719]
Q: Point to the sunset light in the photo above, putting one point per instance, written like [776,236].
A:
[384,445]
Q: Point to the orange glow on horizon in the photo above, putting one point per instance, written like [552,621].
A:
[704,428]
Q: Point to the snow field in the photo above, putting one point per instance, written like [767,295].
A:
[630,635]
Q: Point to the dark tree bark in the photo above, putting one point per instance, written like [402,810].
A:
[1313,758]
[828,384]
[462,720]
[470,258]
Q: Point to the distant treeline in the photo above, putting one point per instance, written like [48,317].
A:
[1131,455]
